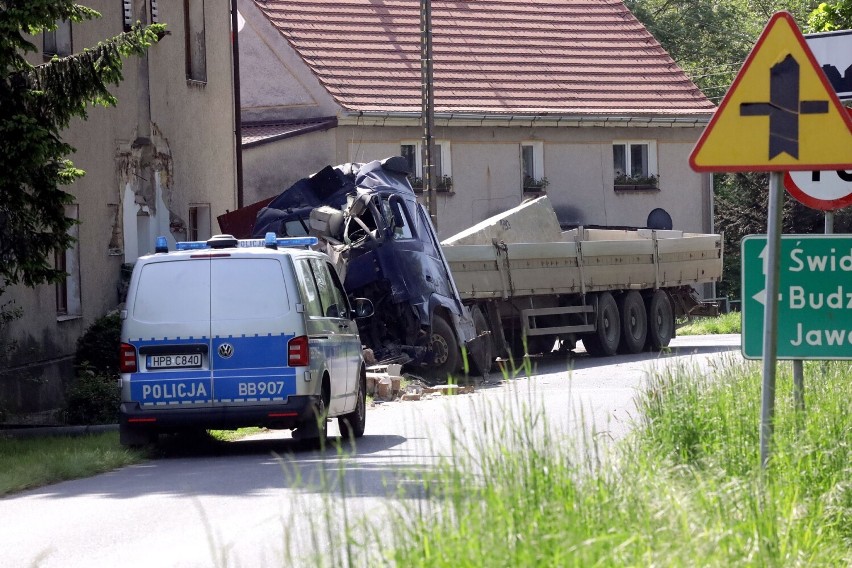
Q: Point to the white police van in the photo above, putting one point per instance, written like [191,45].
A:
[227,333]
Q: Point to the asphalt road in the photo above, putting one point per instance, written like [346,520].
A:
[256,502]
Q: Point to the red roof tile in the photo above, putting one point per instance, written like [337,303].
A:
[490,56]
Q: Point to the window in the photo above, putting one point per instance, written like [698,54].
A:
[310,296]
[196,49]
[412,151]
[397,218]
[127,7]
[634,163]
[58,41]
[68,300]
[333,301]
[199,223]
[532,167]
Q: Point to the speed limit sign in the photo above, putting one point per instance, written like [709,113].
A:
[823,190]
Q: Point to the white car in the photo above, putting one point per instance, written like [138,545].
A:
[224,334]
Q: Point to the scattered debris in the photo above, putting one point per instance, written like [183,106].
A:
[386,382]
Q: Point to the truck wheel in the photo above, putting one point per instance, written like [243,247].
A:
[352,425]
[634,323]
[445,349]
[604,340]
[661,324]
[485,361]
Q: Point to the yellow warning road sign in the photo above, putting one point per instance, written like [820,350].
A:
[780,113]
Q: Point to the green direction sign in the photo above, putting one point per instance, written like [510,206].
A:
[814,299]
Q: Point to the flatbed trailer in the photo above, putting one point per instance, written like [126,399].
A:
[616,290]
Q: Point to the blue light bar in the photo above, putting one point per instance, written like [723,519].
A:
[191,245]
[280,241]
[296,241]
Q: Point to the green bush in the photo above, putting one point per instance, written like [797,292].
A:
[97,349]
[93,397]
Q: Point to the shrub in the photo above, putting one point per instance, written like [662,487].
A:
[97,348]
[92,399]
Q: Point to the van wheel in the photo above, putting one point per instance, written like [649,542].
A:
[131,437]
[445,349]
[312,433]
[352,425]
[661,324]
[604,341]
[634,323]
[485,361]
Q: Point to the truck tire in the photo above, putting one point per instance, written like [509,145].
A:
[661,324]
[605,339]
[634,323]
[445,350]
[485,361]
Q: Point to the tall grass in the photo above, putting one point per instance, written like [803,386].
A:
[684,489]
[33,462]
[725,323]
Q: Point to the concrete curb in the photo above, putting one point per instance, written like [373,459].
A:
[44,431]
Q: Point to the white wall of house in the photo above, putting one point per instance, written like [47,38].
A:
[578,163]
[121,203]
[269,169]
[275,82]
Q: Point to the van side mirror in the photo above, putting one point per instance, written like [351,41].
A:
[362,308]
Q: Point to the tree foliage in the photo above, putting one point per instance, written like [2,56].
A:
[742,202]
[830,16]
[710,39]
[36,104]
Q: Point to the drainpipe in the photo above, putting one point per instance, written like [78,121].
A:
[238,124]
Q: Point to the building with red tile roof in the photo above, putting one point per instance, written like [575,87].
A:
[574,92]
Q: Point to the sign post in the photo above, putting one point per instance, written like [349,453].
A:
[779,115]
[770,315]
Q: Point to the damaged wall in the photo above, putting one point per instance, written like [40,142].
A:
[167,149]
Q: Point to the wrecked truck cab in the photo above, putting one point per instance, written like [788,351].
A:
[385,249]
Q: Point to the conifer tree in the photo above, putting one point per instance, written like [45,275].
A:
[36,104]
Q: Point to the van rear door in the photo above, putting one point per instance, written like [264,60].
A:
[252,318]
[169,324]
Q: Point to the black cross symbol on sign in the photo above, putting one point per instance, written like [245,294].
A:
[784,108]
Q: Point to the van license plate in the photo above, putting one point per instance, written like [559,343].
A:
[174,361]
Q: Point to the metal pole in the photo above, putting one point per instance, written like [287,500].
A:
[829,230]
[770,315]
[428,109]
[798,366]
[799,385]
